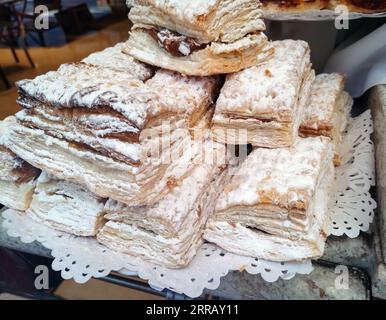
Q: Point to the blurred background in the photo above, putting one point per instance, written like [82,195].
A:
[76,28]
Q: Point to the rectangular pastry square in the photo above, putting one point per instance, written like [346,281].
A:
[100,122]
[17,180]
[275,207]
[115,58]
[17,177]
[263,105]
[302,6]
[198,37]
[361,6]
[213,20]
[66,206]
[277,6]
[327,110]
[169,232]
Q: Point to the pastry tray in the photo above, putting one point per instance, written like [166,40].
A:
[351,212]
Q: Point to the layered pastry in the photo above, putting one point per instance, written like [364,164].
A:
[275,207]
[109,132]
[327,110]
[17,177]
[360,6]
[66,206]
[116,59]
[263,105]
[169,232]
[273,6]
[198,37]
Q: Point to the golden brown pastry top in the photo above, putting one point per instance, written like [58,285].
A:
[268,91]
[13,168]
[319,111]
[285,177]
[361,6]
[205,20]
[85,86]
[115,58]
[296,3]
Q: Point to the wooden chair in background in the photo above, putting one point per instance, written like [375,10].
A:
[12,36]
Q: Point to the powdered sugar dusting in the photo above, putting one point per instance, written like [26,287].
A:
[116,59]
[184,49]
[82,85]
[182,93]
[182,199]
[284,176]
[322,102]
[182,8]
[269,90]
[72,133]
[66,206]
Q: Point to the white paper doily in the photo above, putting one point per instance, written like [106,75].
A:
[351,205]
[317,15]
[82,258]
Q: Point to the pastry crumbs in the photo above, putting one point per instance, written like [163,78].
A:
[171,183]
[268,73]
[199,211]
[323,234]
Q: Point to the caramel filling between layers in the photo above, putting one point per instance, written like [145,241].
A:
[290,3]
[372,5]
[82,146]
[79,116]
[174,43]
[369,4]
[21,169]
[26,173]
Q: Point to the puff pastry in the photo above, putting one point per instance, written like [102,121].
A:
[169,232]
[116,59]
[271,6]
[112,123]
[66,207]
[327,110]
[275,207]
[360,6]
[17,177]
[263,105]
[198,37]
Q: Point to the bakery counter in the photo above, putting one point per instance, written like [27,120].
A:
[349,269]
[320,284]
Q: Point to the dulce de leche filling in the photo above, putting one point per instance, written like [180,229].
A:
[369,4]
[176,44]
[287,3]
[24,171]
[372,5]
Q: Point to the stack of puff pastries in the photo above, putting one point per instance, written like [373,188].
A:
[17,177]
[139,156]
[201,37]
[126,134]
[302,6]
